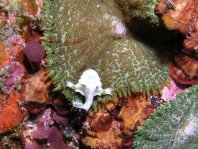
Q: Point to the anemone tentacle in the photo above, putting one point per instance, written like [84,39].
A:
[174,125]
[84,34]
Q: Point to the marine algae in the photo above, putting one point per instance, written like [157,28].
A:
[90,34]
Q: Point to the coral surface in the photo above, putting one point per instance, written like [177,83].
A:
[188,64]
[91,35]
[139,9]
[179,15]
[174,125]
[184,69]
[35,90]
[114,124]
[109,50]
[182,15]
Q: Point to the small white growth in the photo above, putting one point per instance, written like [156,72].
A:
[118,28]
[191,129]
[89,85]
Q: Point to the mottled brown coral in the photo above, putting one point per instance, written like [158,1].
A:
[179,76]
[134,112]
[29,6]
[3,55]
[112,127]
[188,65]
[179,15]
[35,89]
[3,18]
[182,15]
[25,6]
[30,35]
[108,139]
[11,113]
[102,131]
[191,44]
[60,103]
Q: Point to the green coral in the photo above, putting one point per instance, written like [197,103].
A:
[172,126]
[140,9]
[79,36]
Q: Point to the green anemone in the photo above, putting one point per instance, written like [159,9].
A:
[172,126]
[140,9]
[80,36]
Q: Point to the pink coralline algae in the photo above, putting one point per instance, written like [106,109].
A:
[14,40]
[11,19]
[169,92]
[15,44]
[47,132]
[12,72]
[15,71]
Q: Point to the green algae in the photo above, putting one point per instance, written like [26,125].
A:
[82,35]
[172,126]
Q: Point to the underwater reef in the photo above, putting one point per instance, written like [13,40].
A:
[174,125]
[181,15]
[98,74]
[92,35]
[113,125]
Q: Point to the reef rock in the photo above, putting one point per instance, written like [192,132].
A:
[179,15]
[35,90]
[113,125]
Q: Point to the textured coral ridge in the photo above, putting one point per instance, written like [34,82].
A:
[88,34]
[173,125]
[139,9]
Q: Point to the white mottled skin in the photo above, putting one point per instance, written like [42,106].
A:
[89,85]
[191,129]
[118,28]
